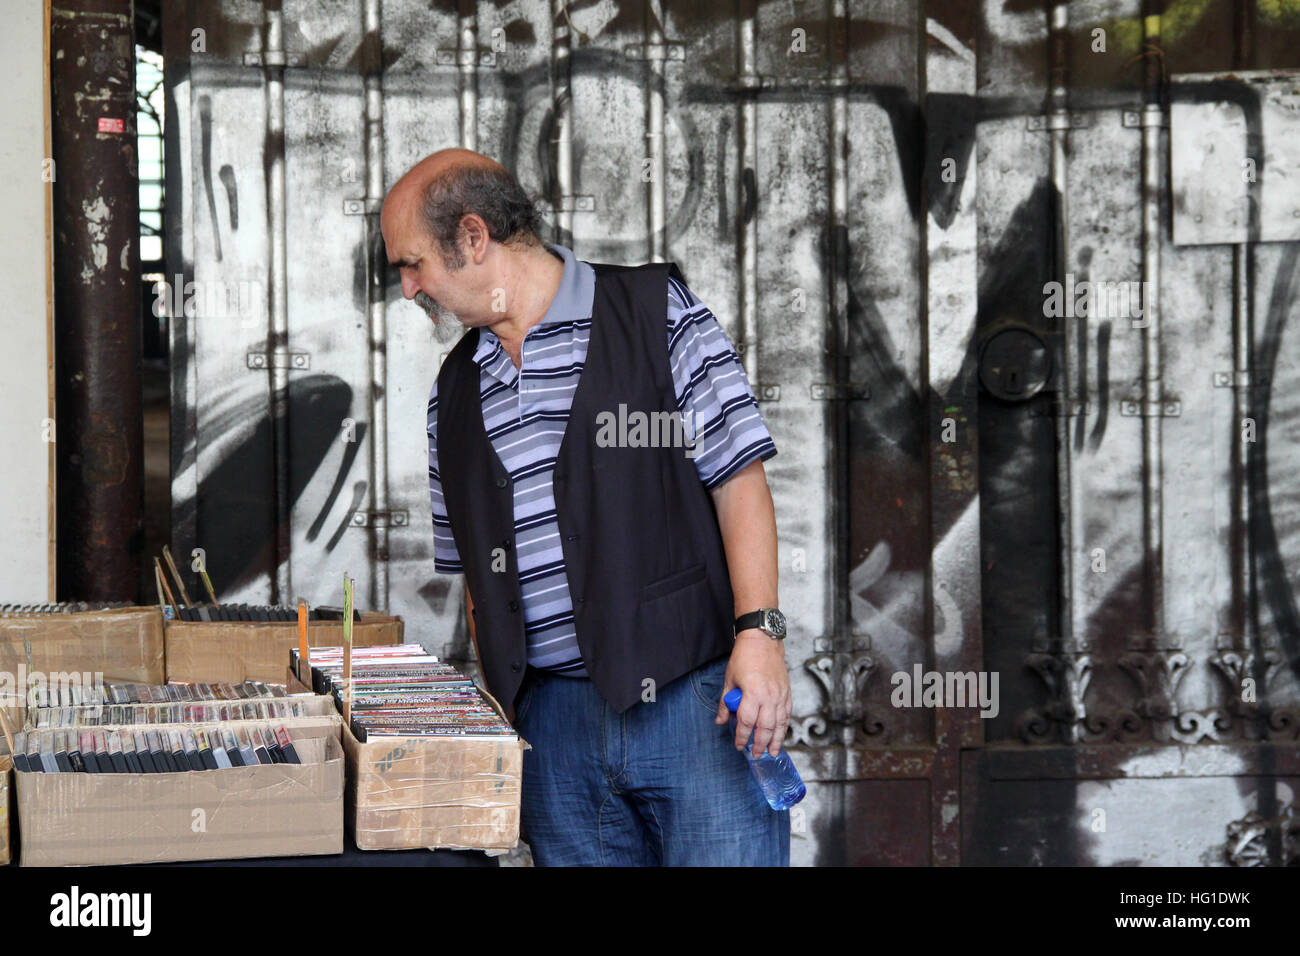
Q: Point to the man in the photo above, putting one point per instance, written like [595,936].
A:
[618,582]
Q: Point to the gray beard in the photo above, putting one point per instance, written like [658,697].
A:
[432,309]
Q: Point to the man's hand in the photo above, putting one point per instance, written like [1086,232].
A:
[757,667]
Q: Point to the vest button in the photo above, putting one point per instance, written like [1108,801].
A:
[507,544]
[513,605]
[502,482]
[571,537]
[514,666]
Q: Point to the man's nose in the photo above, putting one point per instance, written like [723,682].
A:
[409,287]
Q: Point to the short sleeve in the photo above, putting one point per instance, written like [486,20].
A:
[712,390]
[446,559]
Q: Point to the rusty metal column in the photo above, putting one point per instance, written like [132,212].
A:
[373,68]
[1070,517]
[747,234]
[100,446]
[1258,647]
[273,62]
[562,140]
[467,70]
[841,612]
[1244,604]
[949,309]
[1152,374]
[656,199]
[838,627]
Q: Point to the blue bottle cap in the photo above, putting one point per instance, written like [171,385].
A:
[732,699]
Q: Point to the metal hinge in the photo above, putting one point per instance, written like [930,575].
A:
[280,358]
[572,202]
[379,519]
[767,393]
[361,207]
[1246,379]
[839,391]
[1165,408]
[458,57]
[656,51]
[273,58]
[1150,116]
[1057,120]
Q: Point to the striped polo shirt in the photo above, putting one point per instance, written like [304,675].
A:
[525,411]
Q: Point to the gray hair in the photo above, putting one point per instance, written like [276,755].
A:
[488,191]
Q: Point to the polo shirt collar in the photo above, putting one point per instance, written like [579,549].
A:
[573,300]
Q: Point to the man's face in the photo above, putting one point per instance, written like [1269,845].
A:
[425,276]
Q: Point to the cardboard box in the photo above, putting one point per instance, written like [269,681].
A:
[415,792]
[411,793]
[219,651]
[6,848]
[83,819]
[123,644]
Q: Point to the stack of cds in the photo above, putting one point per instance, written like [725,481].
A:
[117,715]
[156,728]
[402,691]
[259,612]
[87,695]
[164,750]
[64,607]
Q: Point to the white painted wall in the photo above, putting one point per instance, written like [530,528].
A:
[25,454]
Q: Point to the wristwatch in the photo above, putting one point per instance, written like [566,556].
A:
[767,619]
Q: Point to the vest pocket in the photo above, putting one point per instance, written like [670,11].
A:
[673,582]
[669,622]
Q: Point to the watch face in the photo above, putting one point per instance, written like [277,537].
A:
[775,623]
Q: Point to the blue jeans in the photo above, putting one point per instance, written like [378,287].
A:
[659,785]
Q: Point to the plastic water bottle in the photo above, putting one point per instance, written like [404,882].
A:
[776,776]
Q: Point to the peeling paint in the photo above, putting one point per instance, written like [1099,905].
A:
[948,813]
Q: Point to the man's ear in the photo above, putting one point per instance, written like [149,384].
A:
[475,230]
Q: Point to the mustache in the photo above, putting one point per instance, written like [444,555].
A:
[431,308]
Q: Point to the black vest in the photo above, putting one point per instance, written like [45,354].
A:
[646,566]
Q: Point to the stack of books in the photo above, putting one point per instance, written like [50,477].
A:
[403,691]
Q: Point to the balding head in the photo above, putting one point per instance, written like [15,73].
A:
[460,228]
[438,192]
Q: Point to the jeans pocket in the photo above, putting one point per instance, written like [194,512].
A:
[525,699]
[706,683]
